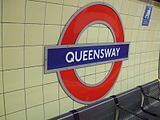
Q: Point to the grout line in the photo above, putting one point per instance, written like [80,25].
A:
[2,116]
[23,67]
[29,23]
[2,61]
[55,44]
[26,88]
[25,95]
[22,110]
[44,61]
[22,46]
[53,3]
[142,29]
[96,64]
[38,45]
[61,26]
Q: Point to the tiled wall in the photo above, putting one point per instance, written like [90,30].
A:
[26,93]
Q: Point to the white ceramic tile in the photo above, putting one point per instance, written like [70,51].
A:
[21,115]
[13,34]
[71,2]
[109,1]
[50,92]
[13,57]
[2,111]
[68,11]
[35,12]
[53,14]
[13,11]
[90,79]
[34,96]
[33,34]
[2,118]
[33,56]
[92,35]
[100,77]
[1,83]
[0,35]
[48,78]
[55,1]
[51,109]
[33,76]
[14,101]
[51,34]
[13,80]
[66,105]
[35,113]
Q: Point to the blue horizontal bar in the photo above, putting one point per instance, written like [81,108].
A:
[77,56]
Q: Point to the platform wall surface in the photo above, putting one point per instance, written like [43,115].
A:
[26,93]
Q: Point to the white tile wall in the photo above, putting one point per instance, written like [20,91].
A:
[26,93]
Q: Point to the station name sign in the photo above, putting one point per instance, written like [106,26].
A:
[68,55]
[64,57]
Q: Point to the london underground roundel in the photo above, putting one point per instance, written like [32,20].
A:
[67,56]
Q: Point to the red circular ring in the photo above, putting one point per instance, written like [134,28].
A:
[68,78]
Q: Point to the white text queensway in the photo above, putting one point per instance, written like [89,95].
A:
[85,55]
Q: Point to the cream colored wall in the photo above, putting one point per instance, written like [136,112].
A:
[26,93]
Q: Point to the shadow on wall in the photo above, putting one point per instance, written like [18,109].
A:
[151,2]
